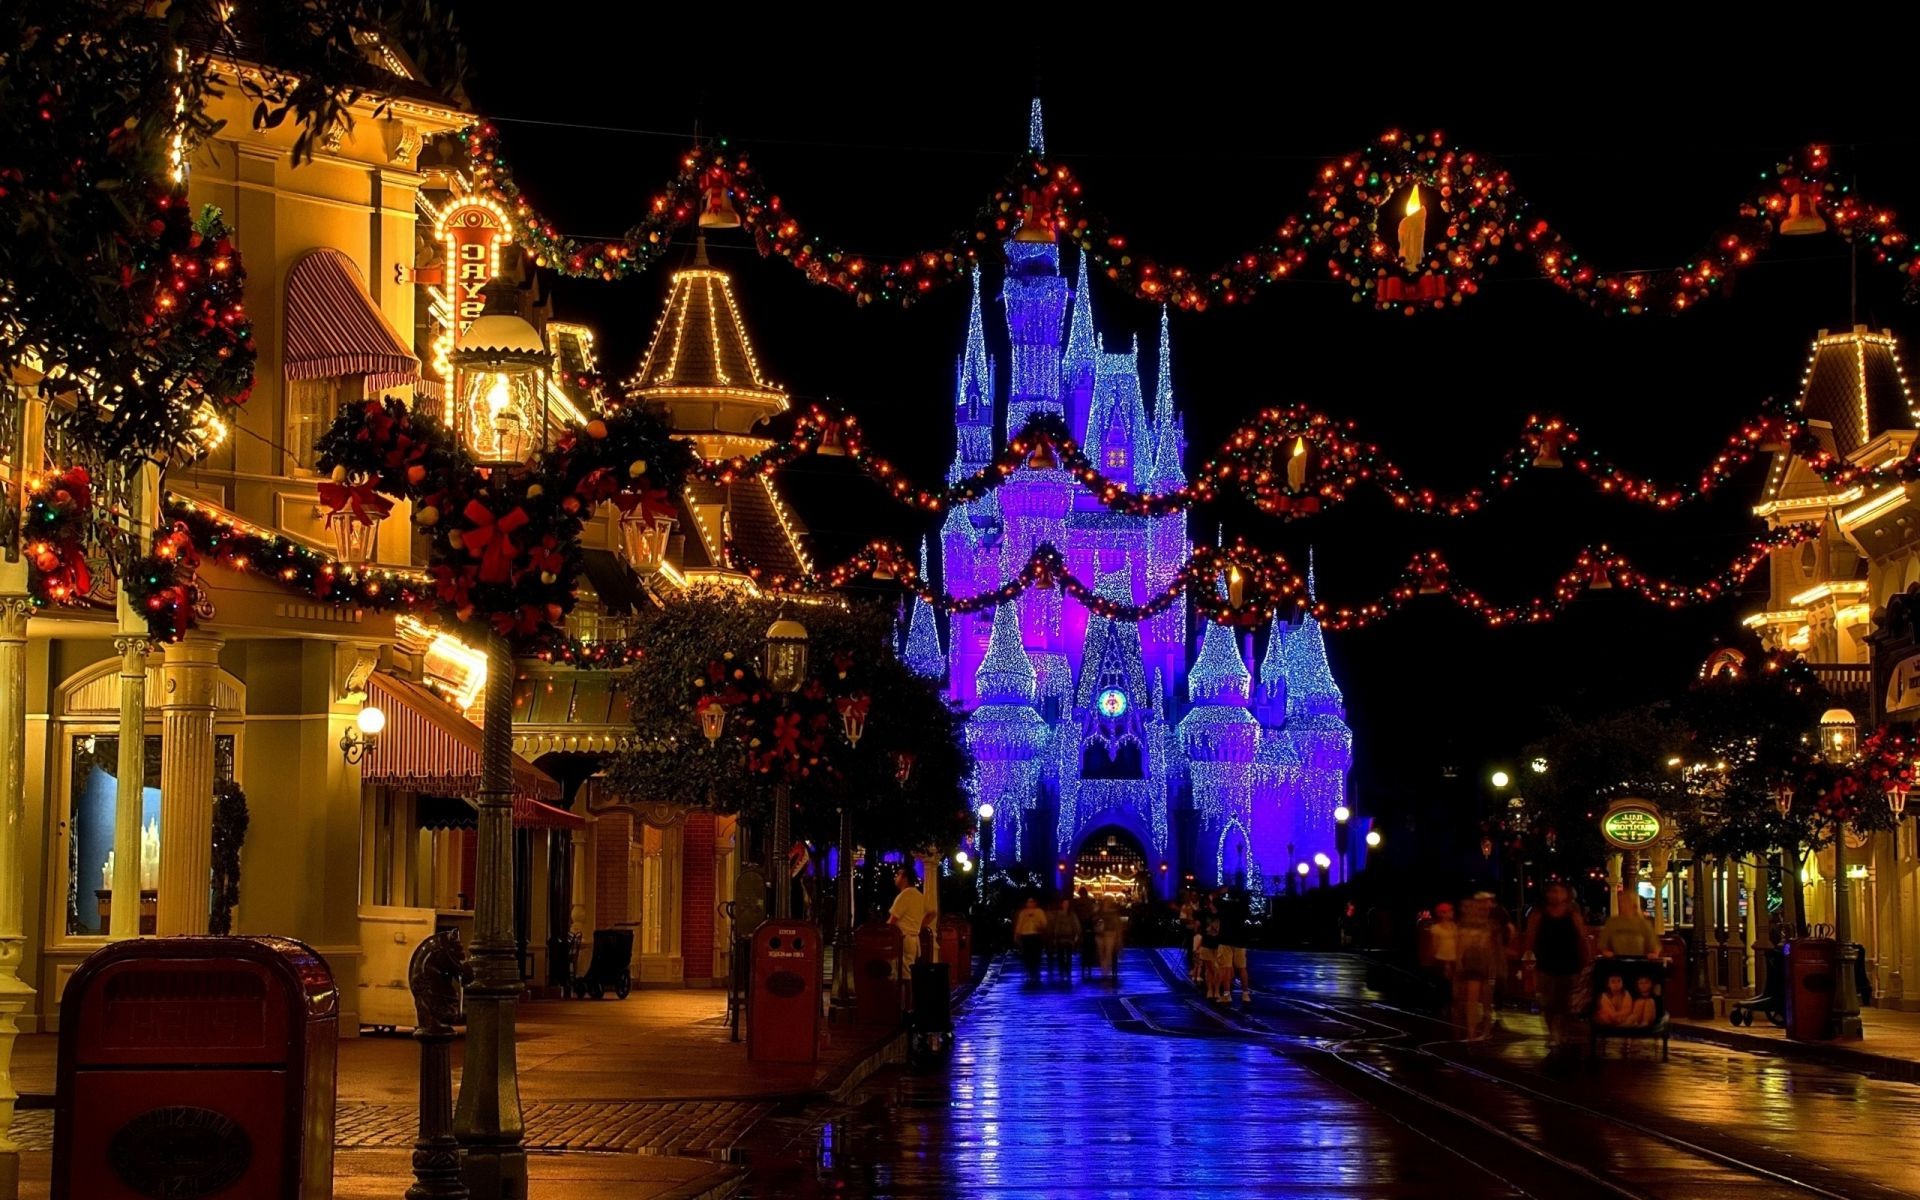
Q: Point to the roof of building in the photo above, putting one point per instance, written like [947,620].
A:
[761,528]
[1855,382]
[700,348]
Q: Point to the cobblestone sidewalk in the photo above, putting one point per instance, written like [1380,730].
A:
[663,1127]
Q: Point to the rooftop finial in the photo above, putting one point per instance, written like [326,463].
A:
[1163,389]
[1311,598]
[1036,129]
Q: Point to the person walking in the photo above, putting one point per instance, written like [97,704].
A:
[1063,935]
[1216,974]
[1083,909]
[1440,949]
[1110,922]
[1030,931]
[908,916]
[1476,967]
[1232,953]
[1557,939]
[1628,933]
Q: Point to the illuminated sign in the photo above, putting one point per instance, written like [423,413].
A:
[1631,825]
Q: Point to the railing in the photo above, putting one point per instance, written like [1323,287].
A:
[1850,685]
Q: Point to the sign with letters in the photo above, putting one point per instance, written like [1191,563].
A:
[1632,825]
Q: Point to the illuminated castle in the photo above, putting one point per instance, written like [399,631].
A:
[1088,732]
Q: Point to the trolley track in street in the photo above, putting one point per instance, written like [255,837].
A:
[1475,1111]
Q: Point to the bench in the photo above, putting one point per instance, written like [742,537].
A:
[1630,971]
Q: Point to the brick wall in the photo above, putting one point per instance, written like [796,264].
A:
[612,834]
[696,904]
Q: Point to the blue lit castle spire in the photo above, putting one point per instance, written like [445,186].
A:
[923,656]
[1089,731]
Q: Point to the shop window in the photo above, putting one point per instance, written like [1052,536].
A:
[311,407]
[95,795]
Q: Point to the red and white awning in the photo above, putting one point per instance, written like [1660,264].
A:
[429,746]
[334,328]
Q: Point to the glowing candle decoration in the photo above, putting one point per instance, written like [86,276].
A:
[1413,232]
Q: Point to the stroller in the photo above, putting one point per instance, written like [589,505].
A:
[611,967]
[1770,1003]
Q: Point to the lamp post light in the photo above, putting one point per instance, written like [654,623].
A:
[1500,780]
[1299,881]
[1324,865]
[368,724]
[785,670]
[1342,838]
[1372,841]
[500,417]
[1840,742]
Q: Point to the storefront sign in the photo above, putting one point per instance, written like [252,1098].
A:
[1631,825]
[1903,684]
[472,232]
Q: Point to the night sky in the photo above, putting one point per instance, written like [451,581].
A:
[1637,160]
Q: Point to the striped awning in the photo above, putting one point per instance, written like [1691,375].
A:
[334,327]
[429,746]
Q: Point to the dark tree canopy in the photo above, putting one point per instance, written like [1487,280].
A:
[850,652]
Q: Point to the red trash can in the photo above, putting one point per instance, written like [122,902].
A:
[197,1066]
[876,974]
[956,948]
[1673,948]
[1811,966]
[783,1009]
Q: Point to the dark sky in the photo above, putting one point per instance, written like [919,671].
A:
[1638,153]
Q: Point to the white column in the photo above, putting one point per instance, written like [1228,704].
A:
[14,992]
[125,921]
[188,675]
[582,859]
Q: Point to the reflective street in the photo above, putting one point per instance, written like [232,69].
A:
[1324,1086]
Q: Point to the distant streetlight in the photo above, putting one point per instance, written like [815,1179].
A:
[1500,780]
[1539,766]
[1373,839]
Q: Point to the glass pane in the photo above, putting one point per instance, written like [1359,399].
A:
[552,700]
[95,787]
[590,697]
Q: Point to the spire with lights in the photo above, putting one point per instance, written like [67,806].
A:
[923,654]
[1036,129]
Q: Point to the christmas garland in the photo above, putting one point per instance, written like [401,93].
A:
[241,546]
[59,515]
[1295,462]
[1243,585]
[1452,212]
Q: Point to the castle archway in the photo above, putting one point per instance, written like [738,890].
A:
[1110,862]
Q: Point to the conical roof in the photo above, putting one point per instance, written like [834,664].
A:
[700,363]
[1856,383]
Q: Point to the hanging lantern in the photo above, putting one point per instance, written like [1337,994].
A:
[903,768]
[1839,735]
[853,718]
[1783,799]
[1897,789]
[786,661]
[1803,216]
[353,535]
[716,206]
[500,365]
[645,538]
[713,719]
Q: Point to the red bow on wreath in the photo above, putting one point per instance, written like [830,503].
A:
[367,505]
[491,540]
[652,503]
[452,586]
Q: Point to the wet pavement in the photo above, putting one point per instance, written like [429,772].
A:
[1324,1087]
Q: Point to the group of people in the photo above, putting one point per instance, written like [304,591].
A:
[1217,928]
[1093,925]
[1470,956]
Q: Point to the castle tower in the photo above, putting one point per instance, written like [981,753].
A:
[922,654]
[1005,734]
[1220,739]
[1078,365]
[1317,726]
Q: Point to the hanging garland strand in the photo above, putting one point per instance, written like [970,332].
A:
[1243,585]
[1410,222]
[1289,462]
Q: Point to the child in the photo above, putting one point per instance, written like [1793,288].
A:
[1642,1014]
[1616,1006]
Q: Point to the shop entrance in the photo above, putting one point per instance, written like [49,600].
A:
[1111,864]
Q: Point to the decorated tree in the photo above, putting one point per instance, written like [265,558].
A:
[702,651]
[127,302]
[1592,763]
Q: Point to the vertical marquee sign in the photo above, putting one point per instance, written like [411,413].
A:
[472,230]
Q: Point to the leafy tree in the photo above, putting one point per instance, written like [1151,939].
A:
[708,644]
[126,302]
[1590,764]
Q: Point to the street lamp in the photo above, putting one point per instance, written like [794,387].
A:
[500,371]
[785,666]
[1839,743]
[1342,838]
[1500,780]
[365,733]
[1325,864]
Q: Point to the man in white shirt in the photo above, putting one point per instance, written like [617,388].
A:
[908,915]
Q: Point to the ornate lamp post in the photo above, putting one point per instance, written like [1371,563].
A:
[1897,789]
[500,365]
[1840,742]
[786,671]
